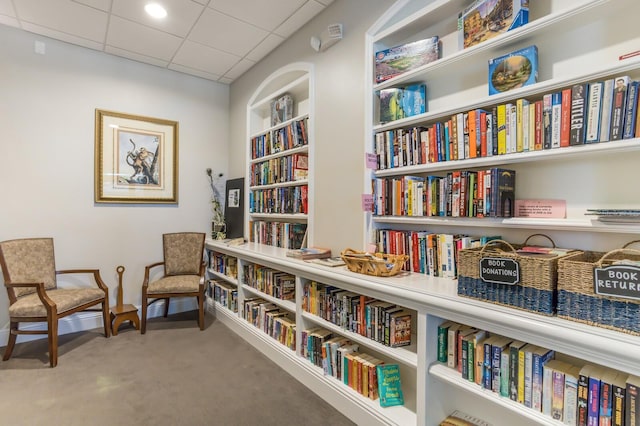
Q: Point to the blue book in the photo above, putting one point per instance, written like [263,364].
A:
[631,111]
[389,385]
[414,100]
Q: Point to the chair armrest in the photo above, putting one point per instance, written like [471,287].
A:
[96,276]
[42,294]
[147,269]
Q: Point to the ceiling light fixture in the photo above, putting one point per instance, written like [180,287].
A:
[155,10]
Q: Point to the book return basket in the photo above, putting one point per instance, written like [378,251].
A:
[498,273]
[601,289]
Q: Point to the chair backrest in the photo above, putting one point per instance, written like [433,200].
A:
[183,253]
[29,260]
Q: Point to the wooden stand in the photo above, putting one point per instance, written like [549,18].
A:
[120,312]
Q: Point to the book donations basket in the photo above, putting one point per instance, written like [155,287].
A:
[601,288]
[378,264]
[516,275]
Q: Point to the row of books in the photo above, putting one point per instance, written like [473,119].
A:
[278,284]
[429,253]
[290,136]
[340,358]
[223,264]
[281,169]
[278,234]
[287,200]
[574,394]
[225,294]
[461,193]
[584,113]
[383,322]
[268,317]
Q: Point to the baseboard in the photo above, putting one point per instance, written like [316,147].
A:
[90,320]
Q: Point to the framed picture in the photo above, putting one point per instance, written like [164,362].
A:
[136,159]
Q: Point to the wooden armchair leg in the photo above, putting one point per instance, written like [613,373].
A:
[166,307]
[201,311]
[106,319]
[13,329]
[143,320]
[53,342]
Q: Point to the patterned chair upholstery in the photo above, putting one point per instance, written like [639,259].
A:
[29,271]
[183,274]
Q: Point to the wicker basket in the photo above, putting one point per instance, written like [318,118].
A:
[378,265]
[535,292]
[578,300]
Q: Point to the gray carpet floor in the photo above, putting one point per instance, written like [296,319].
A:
[175,374]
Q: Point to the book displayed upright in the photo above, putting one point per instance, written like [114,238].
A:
[579,94]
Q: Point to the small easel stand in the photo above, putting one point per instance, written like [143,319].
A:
[120,312]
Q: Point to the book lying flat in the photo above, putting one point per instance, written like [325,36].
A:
[328,261]
[309,253]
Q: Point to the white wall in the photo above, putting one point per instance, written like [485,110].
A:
[47,107]
[339,117]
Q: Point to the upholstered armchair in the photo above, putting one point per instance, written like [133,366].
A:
[29,271]
[183,274]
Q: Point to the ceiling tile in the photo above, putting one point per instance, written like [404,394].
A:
[58,35]
[224,33]
[266,46]
[191,71]
[263,14]
[64,16]
[204,58]
[299,18]
[137,38]
[135,56]
[97,4]
[239,69]
[181,14]
[6,8]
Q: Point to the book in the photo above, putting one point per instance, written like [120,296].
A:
[594,109]
[556,119]
[540,357]
[619,390]
[400,328]
[516,69]
[328,261]
[414,101]
[458,418]
[565,121]
[606,107]
[632,401]
[514,357]
[307,253]
[548,370]
[593,403]
[631,111]
[578,113]
[389,385]
[390,105]
[443,336]
[546,120]
[605,414]
[618,107]
[569,413]
[522,372]
[583,394]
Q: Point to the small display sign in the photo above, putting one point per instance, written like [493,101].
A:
[618,281]
[499,270]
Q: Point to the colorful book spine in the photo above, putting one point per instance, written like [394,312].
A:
[556,119]
[594,107]
[606,107]
[631,111]
[546,120]
[578,113]
[619,102]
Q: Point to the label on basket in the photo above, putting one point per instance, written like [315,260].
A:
[618,281]
[499,270]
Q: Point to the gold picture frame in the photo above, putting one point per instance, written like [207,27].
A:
[136,159]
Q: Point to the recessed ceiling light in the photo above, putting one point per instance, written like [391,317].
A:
[155,10]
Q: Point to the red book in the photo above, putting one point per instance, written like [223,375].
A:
[433,157]
[565,118]
[483,133]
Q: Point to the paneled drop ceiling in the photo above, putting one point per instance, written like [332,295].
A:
[214,39]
